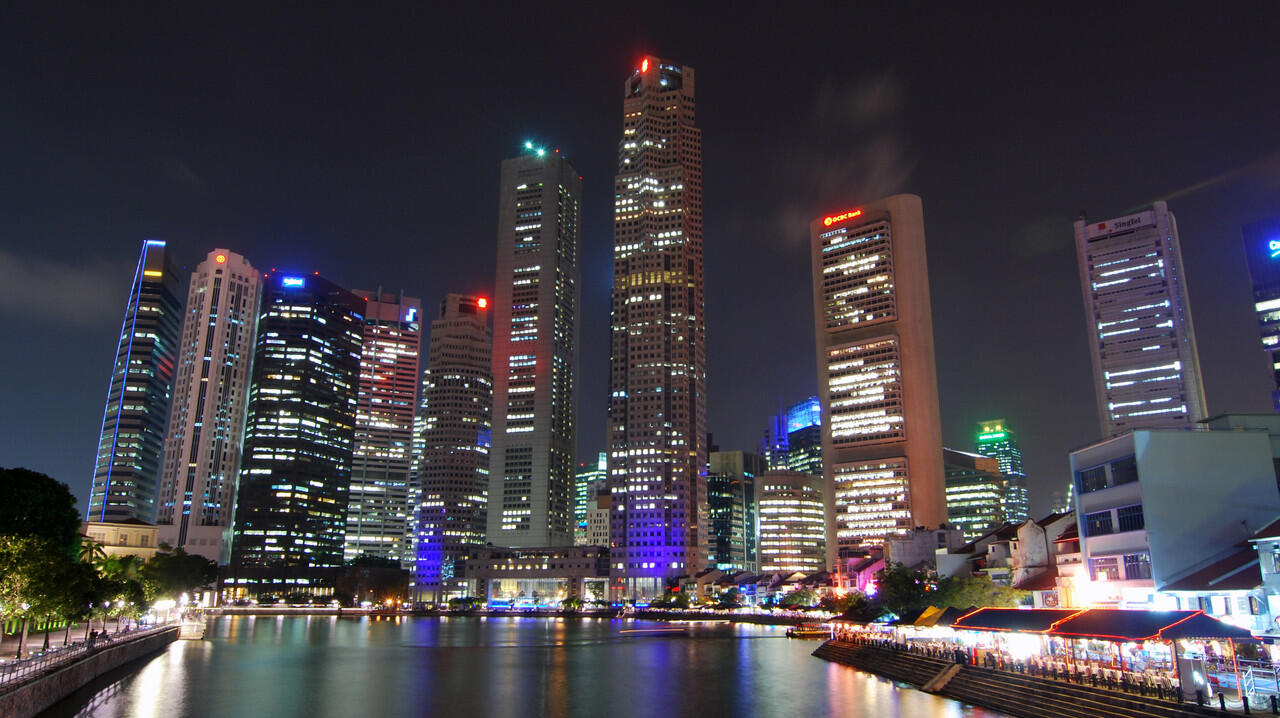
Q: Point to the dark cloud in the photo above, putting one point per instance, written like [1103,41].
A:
[67,292]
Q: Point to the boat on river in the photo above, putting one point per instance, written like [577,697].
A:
[809,630]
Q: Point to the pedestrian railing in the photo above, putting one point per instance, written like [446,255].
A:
[16,672]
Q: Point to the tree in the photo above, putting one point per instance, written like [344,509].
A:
[38,505]
[173,572]
[903,590]
[32,578]
[572,603]
[730,599]
[800,598]
[862,607]
[966,591]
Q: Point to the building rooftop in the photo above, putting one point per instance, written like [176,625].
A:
[1237,572]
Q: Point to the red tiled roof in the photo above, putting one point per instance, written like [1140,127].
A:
[1271,530]
[1237,572]
[1070,533]
[1043,581]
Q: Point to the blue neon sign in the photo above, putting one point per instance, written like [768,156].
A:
[1274,247]
[293,281]
[411,315]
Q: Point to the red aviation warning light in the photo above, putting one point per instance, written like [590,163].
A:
[482,302]
[828,221]
[644,65]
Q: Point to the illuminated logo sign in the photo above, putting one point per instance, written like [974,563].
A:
[1274,247]
[220,258]
[293,281]
[992,436]
[412,315]
[828,221]
[482,302]
[644,65]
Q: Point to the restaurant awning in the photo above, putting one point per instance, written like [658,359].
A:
[1106,624]
[1012,619]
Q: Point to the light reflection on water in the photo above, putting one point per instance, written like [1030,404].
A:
[511,666]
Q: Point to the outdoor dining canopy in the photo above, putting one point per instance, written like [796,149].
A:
[1107,624]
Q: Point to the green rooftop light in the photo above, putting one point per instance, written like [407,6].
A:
[992,436]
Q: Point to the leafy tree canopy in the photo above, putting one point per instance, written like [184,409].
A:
[38,505]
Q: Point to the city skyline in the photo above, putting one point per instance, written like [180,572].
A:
[1048,338]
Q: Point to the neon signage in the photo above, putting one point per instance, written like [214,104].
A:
[828,221]
[293,281]
[220,259]
[1274,247]
[482,302]
[644,65]
[412,314]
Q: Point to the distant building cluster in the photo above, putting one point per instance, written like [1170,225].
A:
[287,427]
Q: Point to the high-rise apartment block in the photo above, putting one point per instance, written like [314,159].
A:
[975,493]
[1262,250]
[731,508]
[454,428]
[291,512]
[791,518]
[210,406]
[1145,366]
[657,405]
[379,503]
[131,444]
[535,352]
[997,440]
[882,438]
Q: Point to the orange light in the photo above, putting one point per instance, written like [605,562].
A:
[644,65]
[220,258]
[828,221]
[482,302]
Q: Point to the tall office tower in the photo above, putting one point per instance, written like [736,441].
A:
[792,522]
[658,400]
[882,439]
[773,444]
[455,426]
[587,484]
[1146,370]
[997,440]
[731,508]
[210,401]
[291,511]
[975,493]
[131,445]
[1262,249]
[378,507]
[535,352]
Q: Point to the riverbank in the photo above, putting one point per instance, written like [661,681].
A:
[763,619]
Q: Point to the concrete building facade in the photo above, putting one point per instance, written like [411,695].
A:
[791,510]
[882,438]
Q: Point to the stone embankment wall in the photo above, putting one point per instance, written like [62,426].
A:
[29,699]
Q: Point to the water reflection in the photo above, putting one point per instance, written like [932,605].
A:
[505,666]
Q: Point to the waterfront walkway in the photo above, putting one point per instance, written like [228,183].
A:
[15,672]
[1018,691]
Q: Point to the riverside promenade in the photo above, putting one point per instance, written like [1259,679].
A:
[31,685]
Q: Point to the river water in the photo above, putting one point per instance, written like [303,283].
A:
[499,667]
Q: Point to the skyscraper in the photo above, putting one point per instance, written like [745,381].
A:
[535,352]
[882,440]
[291,512]
[801,423]
[1262,250]
[975,493]
[997,440]
[378,507]
[657,405]
[210,406]
[1146,369]
[792,532]
[588,483]
[131,445]
[731,508]
[454,434]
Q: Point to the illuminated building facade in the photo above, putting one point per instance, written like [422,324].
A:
[1146,368]
[657,402]
[997,440]
[535,351]
[1262,249]
[882,438]
[210,406]
[802,423]
[731,508]
[291,511]
[454,428]
[131,445]
[792,522]
[975,493]
[379,503]
[587,484]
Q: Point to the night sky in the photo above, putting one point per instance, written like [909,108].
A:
[366,146]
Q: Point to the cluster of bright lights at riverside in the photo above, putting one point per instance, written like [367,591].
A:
[792,523]
[210,406]
[657,405]
[975,493]
[291,510]
[131,444]
[382,494]
[882,440]
[997,440]
[1262,250]
[731,508]
[453,439]
[535,352]
[1145,364]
